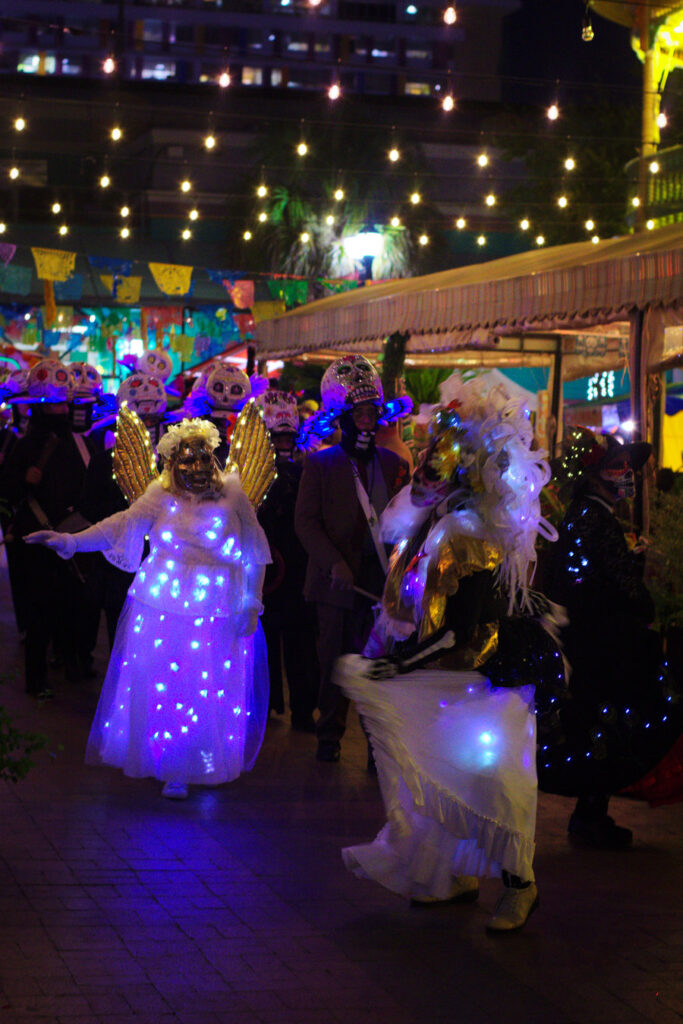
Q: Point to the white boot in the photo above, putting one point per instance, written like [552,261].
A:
[513,908]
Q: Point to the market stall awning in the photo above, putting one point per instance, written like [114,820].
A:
[560,289]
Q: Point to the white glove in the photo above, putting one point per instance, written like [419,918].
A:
[63,543]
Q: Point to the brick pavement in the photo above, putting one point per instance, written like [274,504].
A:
[118,907]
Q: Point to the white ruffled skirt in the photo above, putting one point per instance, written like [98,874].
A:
[184,698]
[456,762]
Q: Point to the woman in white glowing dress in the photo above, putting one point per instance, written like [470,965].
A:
[446,687]
[185,697]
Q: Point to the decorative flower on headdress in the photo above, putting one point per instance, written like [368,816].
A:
[171,441]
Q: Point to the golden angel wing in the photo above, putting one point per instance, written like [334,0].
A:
[134,462]
[252,453]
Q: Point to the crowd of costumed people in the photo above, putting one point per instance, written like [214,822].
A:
[250,549]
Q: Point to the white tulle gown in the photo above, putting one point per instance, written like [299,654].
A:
[185,699]
[456,761]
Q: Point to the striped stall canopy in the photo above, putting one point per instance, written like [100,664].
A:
[547,290]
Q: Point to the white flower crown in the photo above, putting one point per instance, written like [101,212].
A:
[175,435]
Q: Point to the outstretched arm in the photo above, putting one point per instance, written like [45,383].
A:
[67,544]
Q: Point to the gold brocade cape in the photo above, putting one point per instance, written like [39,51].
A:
[457,557]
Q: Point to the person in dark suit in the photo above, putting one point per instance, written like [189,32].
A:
[342,492]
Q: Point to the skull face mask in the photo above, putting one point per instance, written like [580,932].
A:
[620,479]
[194,470]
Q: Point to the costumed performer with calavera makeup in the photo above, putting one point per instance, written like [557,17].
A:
[185,698]
[446,686]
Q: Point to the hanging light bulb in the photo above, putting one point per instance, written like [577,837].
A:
[394,155]
[635,201]
[302,149]
[589,225]
[3,227]
[263,217]
[662,119]
[210,142]
[262,191]
[19,124]
[56,207]
[482,160]
[247,236]
[193,214]
[304,237]
[423,239]
[461,223]
[329,220]
[64,229]
[654,167]
[125,211]
[395,222]
[650,225]
[339,194]
[186,234]
[450,16]
[116,134]
[14,173]
[595,239]
[562,202]
[553,112]
[105,181]
[481,240]
[185,185]
[415,198]
[540,240]
[587,33]
[224,79]
[525,224]
[448,103]
[109,65]
[490,199]
[334,91]
[570,164]
[125,232]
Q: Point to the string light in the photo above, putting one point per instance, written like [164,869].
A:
[186,234]
[186,185]
[423,239]
[262,191]
[3,227]
[525,224]
[14,173]
[553,112]
[224,79]
[562,202]
[415,198]
[109,65]
[125,232]
[394,155]
[329,220]
[395,222]
[210,142]
[490,199]
[662,120]
[125,211]
[193,214]
[302,149]
[247,236]
[64,229]
[105,181]
[461,223]
[650,225]
[450,16]
[339,194]
[448,102]
[595,239]
[635,201]
[263,216]
[570,164]
[540,240]
[654,167]
[483,160]
[481,240]
[589,225]
[56,207]
[304,237]
[334,91]
[116,134]
[19,124]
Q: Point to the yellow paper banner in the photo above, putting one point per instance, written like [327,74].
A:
[171,278]
[267,310]
[54,264]
[127,288]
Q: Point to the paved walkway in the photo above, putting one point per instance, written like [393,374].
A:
[119,907]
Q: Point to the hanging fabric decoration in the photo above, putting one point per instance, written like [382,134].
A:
[122,268]
[241,293]
[293,293]
[7,251]
[267,310]
[71,290]
[54,264]
[163,316]
[50,304]
[171,278]
[16,280]
[127,288]
[143,325]
[245,324]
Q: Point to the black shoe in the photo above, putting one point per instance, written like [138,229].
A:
[328,750]
[601,833]
[303,723]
